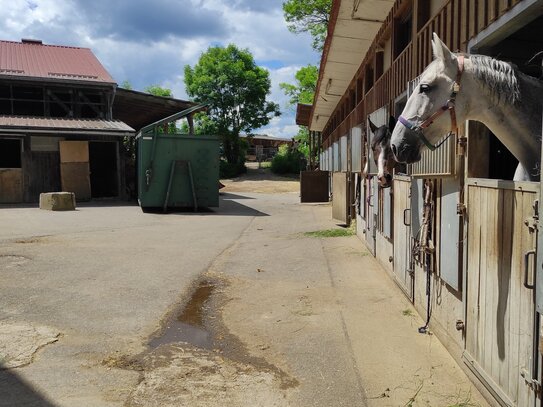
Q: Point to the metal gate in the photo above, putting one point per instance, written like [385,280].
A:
[500,322]
[402,234]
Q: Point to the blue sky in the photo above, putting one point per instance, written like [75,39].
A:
[148,42]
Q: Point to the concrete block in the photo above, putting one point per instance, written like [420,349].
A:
[57,201]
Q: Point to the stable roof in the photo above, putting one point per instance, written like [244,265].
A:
[353,26]
[64,126]
[33,59]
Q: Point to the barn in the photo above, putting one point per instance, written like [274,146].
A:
[63,121]
[454,232]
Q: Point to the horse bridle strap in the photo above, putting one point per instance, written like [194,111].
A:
[449,106]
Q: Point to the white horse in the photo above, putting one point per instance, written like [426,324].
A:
[478,88]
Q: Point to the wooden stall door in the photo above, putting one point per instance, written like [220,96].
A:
[340,198]
[11,185]
[500,300]
[402,234]
[74,168]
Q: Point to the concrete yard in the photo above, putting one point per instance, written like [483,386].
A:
[277,317]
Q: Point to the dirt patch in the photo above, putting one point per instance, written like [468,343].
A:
[262,181]
[182,369]
[178,375]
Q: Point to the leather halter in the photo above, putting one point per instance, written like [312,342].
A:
[449,106]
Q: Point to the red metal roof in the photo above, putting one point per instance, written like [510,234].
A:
[36,60]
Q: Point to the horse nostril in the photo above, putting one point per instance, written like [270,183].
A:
[394,150]
[388,177]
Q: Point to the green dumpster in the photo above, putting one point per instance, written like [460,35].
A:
[177,170]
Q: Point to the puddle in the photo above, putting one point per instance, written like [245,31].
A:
[189,326]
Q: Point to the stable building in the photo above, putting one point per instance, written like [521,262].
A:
[57,130]
[480,282]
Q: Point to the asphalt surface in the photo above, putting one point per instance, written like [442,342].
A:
[303,321]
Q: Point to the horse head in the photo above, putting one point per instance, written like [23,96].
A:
[422,123]
[382,153]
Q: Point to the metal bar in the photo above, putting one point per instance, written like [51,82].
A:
[172,172]
[194,200]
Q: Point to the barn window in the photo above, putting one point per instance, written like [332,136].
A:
[402,33]
[10,153]
[368,78]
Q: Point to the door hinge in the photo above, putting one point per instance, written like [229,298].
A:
[460,209]
[533,221]
[534,384]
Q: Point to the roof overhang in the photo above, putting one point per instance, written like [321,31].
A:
[41,125]
[138,109]
[303,113]
[351,31]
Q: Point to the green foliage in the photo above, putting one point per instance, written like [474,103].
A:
[287,161]
[302,92]
[203,125]
[304,89]
[159,91]
[235,89]
[228,170]
[126,85]
[310,16]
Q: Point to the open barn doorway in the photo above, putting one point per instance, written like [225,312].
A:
[103,169]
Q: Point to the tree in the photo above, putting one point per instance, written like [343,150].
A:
[304,89]
[310,16]
[159,91]
[235,89]
[126,85]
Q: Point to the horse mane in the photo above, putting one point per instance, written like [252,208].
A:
[500,78]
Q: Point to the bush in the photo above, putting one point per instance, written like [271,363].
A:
[228,170]
[287,161]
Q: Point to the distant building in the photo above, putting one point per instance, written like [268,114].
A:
[263,147]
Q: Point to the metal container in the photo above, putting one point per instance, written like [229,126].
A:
[177,170]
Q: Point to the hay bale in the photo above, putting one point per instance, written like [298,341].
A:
[57,201]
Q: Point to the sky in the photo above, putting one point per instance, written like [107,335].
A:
[148,42]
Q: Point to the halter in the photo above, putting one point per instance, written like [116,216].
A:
[449,106]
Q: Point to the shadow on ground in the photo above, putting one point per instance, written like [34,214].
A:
[15,391]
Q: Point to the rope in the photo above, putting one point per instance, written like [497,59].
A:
[427,247]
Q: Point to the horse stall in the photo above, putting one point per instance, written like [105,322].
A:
[454,233]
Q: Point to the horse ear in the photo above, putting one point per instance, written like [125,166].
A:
[391,123]
[440,50]
[373,127]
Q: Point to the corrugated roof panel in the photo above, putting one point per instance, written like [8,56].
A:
[51,61]
[64,124]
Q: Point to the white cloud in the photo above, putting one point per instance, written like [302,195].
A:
[157,53]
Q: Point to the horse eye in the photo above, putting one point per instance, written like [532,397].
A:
[424,88]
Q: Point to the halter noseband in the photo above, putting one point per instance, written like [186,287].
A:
[449,106]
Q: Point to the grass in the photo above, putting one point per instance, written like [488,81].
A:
[408,313]
[265,164]
[339,232]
